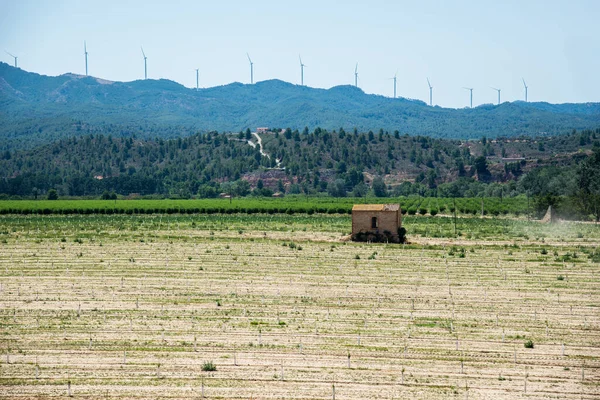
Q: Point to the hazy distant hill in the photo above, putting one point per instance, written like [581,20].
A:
[36,109]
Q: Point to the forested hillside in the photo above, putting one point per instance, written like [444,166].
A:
[37,109]
[336,162]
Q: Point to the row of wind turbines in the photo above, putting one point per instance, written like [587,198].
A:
[394,78]
[471,92]
[302,66]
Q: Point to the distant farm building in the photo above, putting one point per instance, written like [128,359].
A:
[377,223]
[262,130]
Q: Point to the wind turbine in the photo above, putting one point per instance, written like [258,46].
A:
[526,87]
[197,69]
[15,57]
[430,93]
[498,90]
[356,75]
[145,64]
[86,54]
[301,71]
[471,90]
[394,79]
[251,69]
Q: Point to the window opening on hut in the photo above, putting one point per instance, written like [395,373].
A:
[374,222]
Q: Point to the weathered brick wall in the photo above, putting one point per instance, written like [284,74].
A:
[388,221]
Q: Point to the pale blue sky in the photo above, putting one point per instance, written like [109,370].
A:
[554,45]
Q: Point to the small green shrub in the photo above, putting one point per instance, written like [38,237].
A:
[209,366]
[528,344]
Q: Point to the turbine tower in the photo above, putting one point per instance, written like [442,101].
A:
[197,69]
[251,69]
[526,87]
[356,75]
[15,57]
[145,64]
[498,90]
[394,79]
[301,71]
[471,90]
[86,54]
[430,93]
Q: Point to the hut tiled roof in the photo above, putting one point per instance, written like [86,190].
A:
[376,207]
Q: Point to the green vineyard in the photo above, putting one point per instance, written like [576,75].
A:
[249,205]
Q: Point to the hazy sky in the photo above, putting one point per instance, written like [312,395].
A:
[554,45]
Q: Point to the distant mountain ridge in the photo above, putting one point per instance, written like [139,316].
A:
[37,109]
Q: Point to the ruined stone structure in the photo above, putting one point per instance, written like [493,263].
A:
[377,222]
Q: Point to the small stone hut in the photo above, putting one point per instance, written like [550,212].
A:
[377,222]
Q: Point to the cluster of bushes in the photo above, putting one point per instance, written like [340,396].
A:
[381,237]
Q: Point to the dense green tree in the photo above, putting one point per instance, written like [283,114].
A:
[337,188]
[481,168]
[360,190]
[588,194]
[52,194]
[379,187]
[241,187]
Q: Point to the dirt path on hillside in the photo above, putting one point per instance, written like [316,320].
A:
[262,152]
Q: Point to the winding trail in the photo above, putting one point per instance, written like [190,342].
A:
[262,152]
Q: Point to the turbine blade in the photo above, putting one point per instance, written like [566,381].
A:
[9,53]
[248,55]
[428,84]
[356,68]
[144,54]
